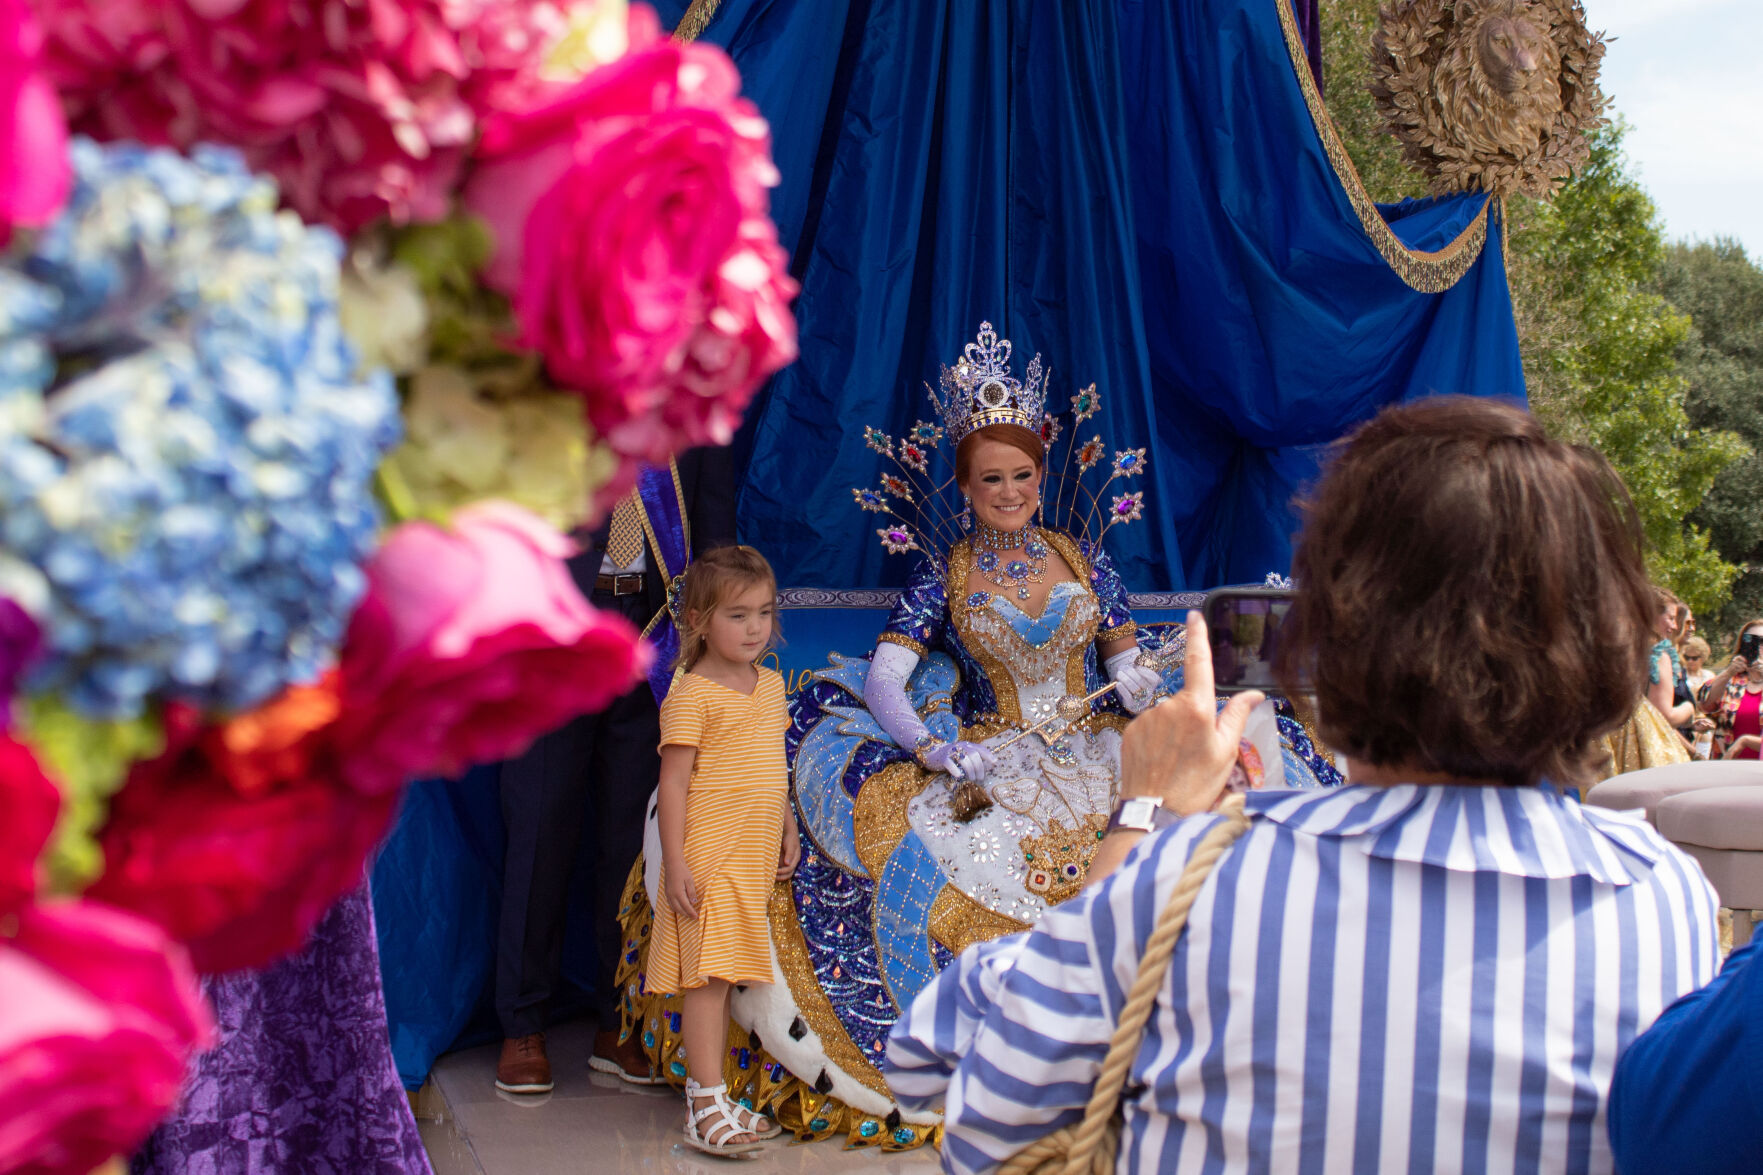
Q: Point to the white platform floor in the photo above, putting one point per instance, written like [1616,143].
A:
[593,1123]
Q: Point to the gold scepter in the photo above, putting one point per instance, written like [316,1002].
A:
[969,799]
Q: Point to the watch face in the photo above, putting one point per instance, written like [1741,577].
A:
[1138,812]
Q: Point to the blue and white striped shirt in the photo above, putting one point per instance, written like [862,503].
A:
[1373,979]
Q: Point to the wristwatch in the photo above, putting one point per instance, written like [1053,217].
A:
[1141,814]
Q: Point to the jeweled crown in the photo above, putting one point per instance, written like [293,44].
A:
[979,390]
[930,515]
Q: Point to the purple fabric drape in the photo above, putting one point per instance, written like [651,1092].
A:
[1309,14]
[302,1080]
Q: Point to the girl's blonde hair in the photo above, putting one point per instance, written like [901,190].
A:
[709,580]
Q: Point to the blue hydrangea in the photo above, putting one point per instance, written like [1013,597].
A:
[186,446]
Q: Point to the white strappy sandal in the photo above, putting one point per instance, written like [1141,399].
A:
[709,1128]
[752,1118]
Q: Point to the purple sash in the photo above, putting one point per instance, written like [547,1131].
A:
[670,544]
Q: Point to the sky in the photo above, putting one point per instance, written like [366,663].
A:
[1687,76]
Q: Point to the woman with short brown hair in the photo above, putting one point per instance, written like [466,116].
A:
[1434,967]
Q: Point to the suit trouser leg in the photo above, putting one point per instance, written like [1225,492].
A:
[544,796]
[626,766]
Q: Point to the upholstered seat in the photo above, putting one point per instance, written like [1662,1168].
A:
[1722,828]
[1645,789]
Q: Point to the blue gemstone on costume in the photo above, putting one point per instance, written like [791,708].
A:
[648,1040]
[986,560]
[1016,569]
[744,1059]
[904,1137]
[677,1069]
[819,1124]
[673,1019]
[978,599]
[869,1129]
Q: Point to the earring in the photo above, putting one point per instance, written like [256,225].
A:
[966,513]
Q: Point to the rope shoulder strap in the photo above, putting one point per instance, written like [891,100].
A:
[1088,1146]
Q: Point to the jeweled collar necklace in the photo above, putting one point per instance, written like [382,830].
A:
[990,544]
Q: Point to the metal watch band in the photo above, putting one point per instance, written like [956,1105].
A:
[1141,814]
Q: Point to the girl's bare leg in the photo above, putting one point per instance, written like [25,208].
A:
[704,1032]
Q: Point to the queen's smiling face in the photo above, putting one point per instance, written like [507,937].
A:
[1003,483]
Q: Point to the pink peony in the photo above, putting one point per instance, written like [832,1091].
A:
[631,228]
[100,1018]
[29,804]
[359,108]
[470,643]
[34,172]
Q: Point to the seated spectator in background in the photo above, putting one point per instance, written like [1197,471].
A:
[1434,967]
[1695,653]
[1686,1094]
[1732,697]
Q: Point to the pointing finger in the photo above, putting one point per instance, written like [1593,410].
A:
[1198,674]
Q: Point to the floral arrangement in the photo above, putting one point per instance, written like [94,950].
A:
[322,322]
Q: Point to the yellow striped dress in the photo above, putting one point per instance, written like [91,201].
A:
[734,829]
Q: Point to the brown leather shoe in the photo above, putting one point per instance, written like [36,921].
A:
[524,1068]
[626,1060]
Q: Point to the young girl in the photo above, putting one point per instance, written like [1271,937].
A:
[727,832]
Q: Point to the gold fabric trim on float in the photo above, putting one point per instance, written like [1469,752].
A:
[1429,273]
[696,20]
[764,1084]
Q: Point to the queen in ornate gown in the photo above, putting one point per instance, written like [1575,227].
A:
[956,783]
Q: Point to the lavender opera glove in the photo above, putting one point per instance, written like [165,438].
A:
[884,693]
[1137,684]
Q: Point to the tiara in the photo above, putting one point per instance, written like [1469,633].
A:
[924,514]
[979,390]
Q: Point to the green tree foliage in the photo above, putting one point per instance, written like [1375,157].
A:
[1600,342]
[1722,290]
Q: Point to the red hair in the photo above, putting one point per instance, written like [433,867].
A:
[1023,440]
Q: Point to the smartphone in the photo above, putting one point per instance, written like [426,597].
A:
[1244,625]
[1750,645]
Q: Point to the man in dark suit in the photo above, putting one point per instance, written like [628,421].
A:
[602,767]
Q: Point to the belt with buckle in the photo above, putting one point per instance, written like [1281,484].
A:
[626,583]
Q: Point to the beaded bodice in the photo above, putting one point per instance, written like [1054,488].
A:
[1014,666]
[1032,662]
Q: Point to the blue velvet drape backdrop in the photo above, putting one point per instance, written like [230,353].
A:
[1133,188]
[1138,189]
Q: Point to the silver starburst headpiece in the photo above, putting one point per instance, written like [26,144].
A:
[927,515]
[979,390]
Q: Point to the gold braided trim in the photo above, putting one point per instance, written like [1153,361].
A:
[763,1083]
[696,20]
[1119,632]
[904,641]
[1429,273]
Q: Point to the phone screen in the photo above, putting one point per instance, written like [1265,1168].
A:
[1244,626]
[1750,645]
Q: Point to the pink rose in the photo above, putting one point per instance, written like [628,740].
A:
[34,172]
[29,804]
[470,643]
[100,1018]
[631,228]
[359,108]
